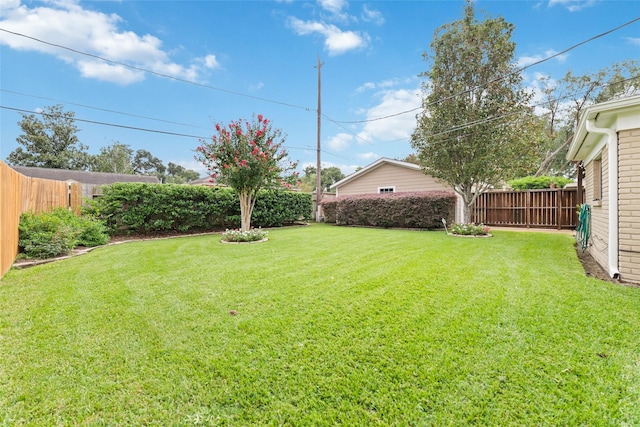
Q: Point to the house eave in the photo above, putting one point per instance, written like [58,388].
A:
[373,166]
[603,115]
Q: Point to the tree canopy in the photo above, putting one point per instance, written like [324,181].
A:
[562,102]
[248,156]
[50,141]
[328,177]
[476,129]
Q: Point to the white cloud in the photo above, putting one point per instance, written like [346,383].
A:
[368,156]
[336,41]
[372,15]
[366,86]
[525,60]
[633,40]
[256,86]
[333,6]
[67,24]
[385,84]
[340,141]
[211,62]
[573,5]
[108,72]
[393,126]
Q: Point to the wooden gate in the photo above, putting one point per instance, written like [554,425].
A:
[548,208]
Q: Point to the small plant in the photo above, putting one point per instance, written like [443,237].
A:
[54,233]
[251,235]
[470,229]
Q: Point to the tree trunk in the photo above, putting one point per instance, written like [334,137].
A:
[246,208]
[466,213]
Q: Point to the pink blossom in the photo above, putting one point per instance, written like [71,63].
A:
[217,127]
[259,117]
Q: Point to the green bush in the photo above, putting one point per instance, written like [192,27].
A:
[329,208]
[134,208]
[403,210]
[539,182]
[57,232]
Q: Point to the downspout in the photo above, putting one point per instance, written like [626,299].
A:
[612,142]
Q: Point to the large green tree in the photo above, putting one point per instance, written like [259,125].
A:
[114,158]
[248,156]
[476,129]
[177,174]
[328,177]
[563,100]
[145,163]
[50,141]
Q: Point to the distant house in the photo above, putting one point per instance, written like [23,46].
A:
[91,181]
[206,181]
[607,142]
[391,176]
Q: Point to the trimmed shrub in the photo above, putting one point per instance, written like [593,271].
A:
[329,207]
[135,208]
[403,210]
[539,182]
[275,208]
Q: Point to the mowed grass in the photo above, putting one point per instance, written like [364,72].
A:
[334,326]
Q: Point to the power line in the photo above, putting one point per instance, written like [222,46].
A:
[519,70]
[540,104]
[104,109]
[20,110]
[145,70]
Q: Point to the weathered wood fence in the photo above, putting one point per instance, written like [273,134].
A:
[548,208]
[18,194]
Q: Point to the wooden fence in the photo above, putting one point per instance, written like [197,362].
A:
[18,194]
[549,208]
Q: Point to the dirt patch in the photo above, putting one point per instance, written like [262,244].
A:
[592,268]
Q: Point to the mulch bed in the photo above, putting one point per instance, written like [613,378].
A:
[592,268]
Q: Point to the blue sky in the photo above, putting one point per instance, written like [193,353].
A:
[260,57]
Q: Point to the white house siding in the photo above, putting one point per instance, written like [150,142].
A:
[389,175]
[629,208]
[599,214]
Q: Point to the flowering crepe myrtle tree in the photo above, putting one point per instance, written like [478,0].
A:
[248,156]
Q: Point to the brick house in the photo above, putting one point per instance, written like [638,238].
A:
[607,142]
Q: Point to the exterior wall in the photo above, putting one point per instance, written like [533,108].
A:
[629,205]
[388,175]
[599,214]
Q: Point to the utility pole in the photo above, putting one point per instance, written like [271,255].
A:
[318,163]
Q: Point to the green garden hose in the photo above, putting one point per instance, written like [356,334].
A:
[583,231]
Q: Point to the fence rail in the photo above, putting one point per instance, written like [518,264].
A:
[18,194]
[549,208]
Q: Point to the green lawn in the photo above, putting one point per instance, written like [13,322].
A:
[334,326]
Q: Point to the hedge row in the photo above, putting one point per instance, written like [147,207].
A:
[135,208]
[539,182]
[404,210]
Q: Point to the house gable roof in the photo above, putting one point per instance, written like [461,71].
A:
[97,178]
[619,114]
[373,166]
